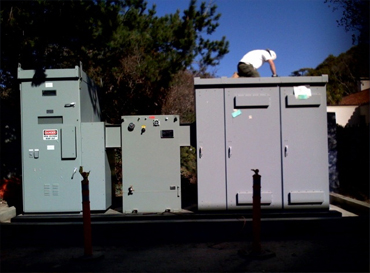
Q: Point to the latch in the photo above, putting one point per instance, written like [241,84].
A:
[72,104]
[33,153]
[143,129]
[74,171]
[36,153]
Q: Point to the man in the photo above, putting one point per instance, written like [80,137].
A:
[248,65]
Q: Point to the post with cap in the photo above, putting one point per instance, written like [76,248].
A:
[86,215]
[257,252]
[86,212]
[256,245]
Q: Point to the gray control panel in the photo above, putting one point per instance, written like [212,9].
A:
[151,163]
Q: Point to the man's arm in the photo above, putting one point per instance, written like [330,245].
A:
[272,67]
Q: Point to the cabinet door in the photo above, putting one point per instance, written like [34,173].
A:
[151,163]
[210,149]
[50,143]
[252,118]
[304,149]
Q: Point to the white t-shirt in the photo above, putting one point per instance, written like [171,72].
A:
[256,57]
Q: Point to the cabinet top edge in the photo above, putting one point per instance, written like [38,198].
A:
[261,81]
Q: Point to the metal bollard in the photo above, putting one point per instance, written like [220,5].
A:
[256,245]
[86,212]
[257,252]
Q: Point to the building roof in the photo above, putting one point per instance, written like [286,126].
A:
[359,98]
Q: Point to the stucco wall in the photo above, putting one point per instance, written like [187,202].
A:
[349,115]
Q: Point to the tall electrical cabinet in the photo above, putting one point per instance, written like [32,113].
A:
[61,131]
[276,125]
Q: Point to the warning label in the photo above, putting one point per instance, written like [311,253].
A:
[50,134]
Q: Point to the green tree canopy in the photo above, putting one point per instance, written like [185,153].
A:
[344,72]
[136,56]
[348,68]
[124,45]
[355,18]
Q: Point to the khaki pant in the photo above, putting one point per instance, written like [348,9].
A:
[247,70]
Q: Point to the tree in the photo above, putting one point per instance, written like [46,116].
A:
[149,52]
[355,18]
[344,72]
[41,35]
[134,53]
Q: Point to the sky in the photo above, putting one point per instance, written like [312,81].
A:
[303,33]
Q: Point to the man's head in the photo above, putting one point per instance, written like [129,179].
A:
[272,53]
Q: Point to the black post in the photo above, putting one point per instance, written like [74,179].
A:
[86,214]
[256,246]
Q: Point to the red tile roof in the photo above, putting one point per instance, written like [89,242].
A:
[359,98]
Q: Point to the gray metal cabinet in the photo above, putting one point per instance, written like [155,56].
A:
[151,163]
[51,117]
[49,147]
[304,151]
[211,149]
[260,123]
[252,128]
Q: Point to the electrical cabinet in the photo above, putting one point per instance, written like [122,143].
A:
[151,163]
[211,159]
[304,149]
[252,126]
[55,104]
[276,125]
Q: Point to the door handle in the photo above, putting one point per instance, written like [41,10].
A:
[200,152]
[74,171]
[72,104]
[230,151]
[286,150]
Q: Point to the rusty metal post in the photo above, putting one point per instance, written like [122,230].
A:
[86,215]
[256,246]
[257,252]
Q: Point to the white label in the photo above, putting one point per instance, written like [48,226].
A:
[50,147]
[302,92]
[50,134]
[48,84]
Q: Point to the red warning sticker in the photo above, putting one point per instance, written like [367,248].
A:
[50,134]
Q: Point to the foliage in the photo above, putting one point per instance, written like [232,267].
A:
[138,57]
[189,164]
[135,53]
[355,18]
[344,72]
[11,192]
[180,98]
[348,68]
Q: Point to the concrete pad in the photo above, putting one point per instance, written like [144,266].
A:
[111,211]
[350,204]
[345,213]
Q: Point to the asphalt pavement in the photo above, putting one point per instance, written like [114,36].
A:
[208,243]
